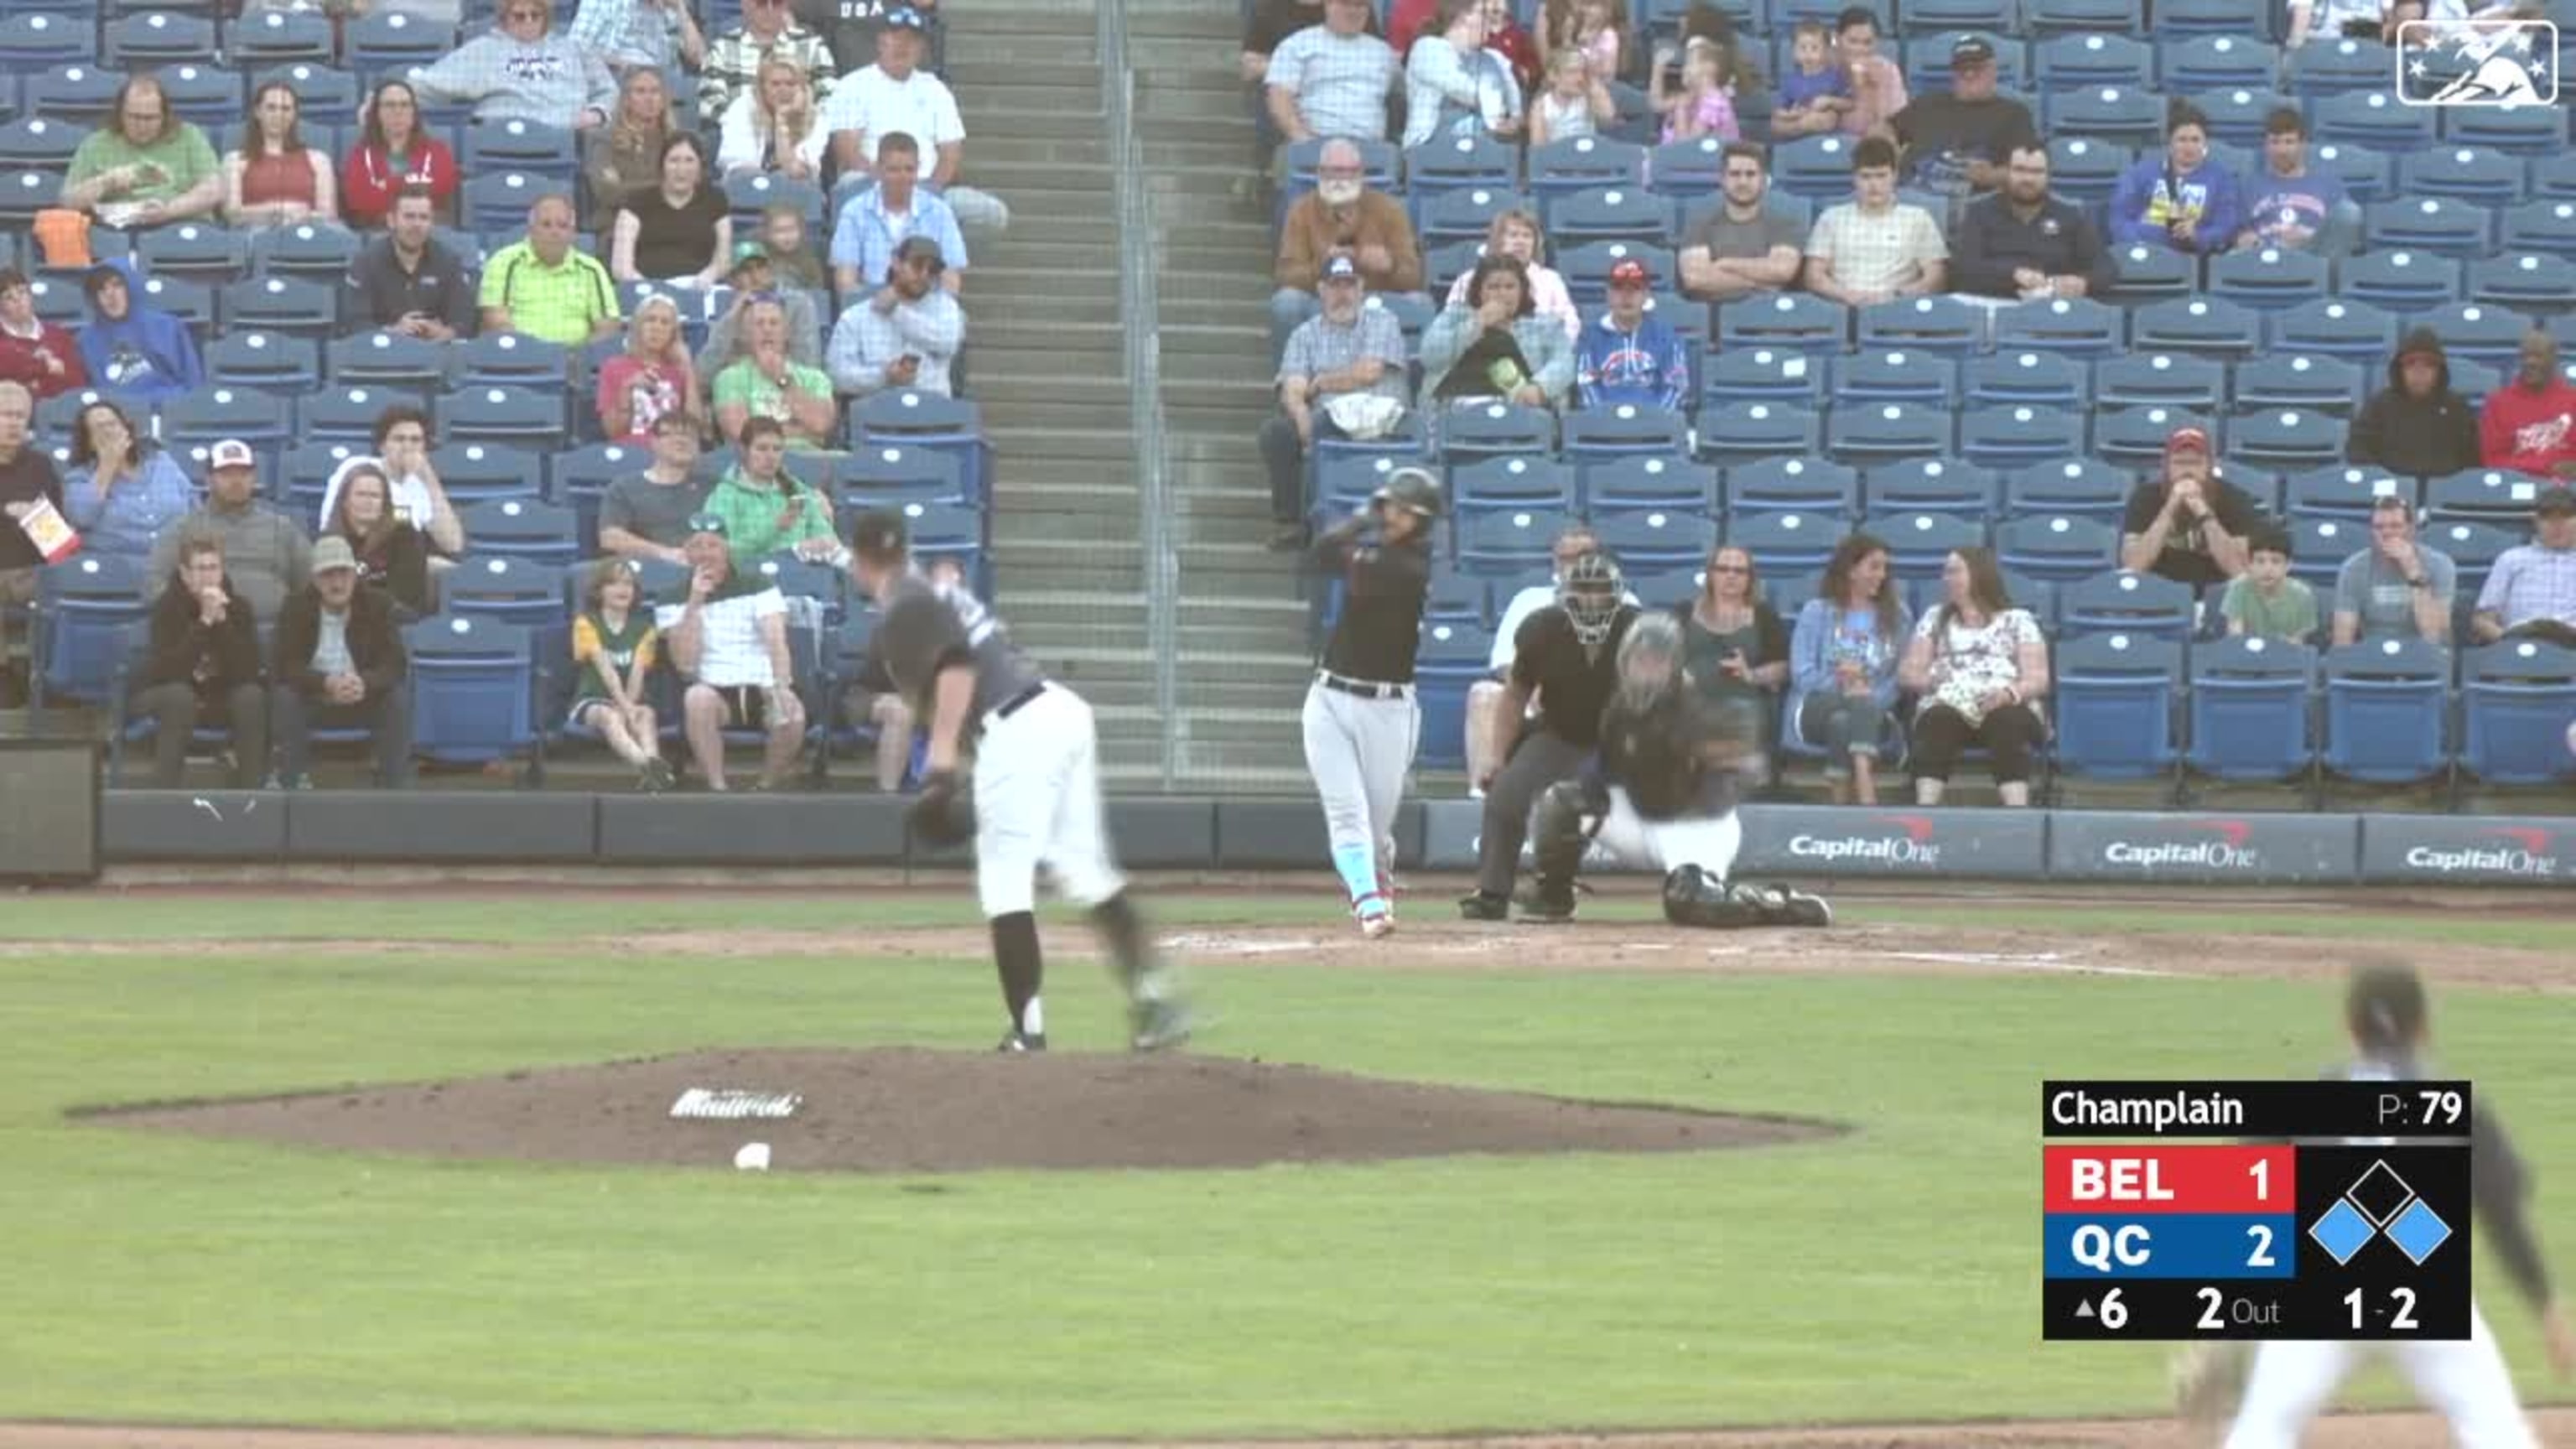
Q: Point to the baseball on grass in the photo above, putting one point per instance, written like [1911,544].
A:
[754,1157]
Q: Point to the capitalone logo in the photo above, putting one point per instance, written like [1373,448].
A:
[2528,855]
[2227,852]
[1911,845]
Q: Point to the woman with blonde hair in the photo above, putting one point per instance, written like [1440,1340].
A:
[653,376]
[627,152]
[1516,234]
[774,126]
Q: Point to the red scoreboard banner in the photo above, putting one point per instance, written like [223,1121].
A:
[2103,1177]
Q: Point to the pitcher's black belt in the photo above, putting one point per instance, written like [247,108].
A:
[1013,705]
[1364,688]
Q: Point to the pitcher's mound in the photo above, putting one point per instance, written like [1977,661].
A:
[905,1109]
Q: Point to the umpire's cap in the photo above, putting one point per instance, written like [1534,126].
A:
[1412,489]
[2384,1006]
[879,533]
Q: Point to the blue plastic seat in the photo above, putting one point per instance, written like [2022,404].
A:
[2302,383]
[2528,282]
[2250,715]
[1794,484]
[2084,170]
[1816,167]
[2481,495]
[40,41]
[1586,268]
[2268,279]
[274,37]
[1941,325]
[2199,326]
[1931,485]
[473,689]
[2546,226]
[2432,223]
[392,41]
[2332,328]
[2216,62]
[2116,115]
[142,42]
[216,412]
[2027,379]
[2320,543]
[1920,542]
[1931,39]
[1449,165]
[1761,373]
[522,528]
[268,361]
[2237,114]
[517,589]
[2474,547]
[24,194]
[1745,432]
[1624,212]
[196,251]
[1562,168]
[888,475]
[954,533]
[2142,275]
[2071,488]
[1506,541]
[2160,379]
[1493,430]
[2477,174]
[73,98]
[2071,62]
[1527,484]
[2045,18]
[474,472]
[349,412]
[2343,491]
[2372,118]
[512,359]
[2190,19]
[2016,435]
[2078,327]
[2115,697]
[320,89]
[1648,482]
[2286,439]
[1895,374]
[2060,548]
[1792,321]
[1655,540]
[307,252]
[2515,700]
[2135,437]
[387,359]
[2480,333]
[2334,67]
[2553,176]
[2401,280]
[209,95]
[498,201]
[2387,711]
[1865,433]
[2121,602]
[1452,656]
[1625,428]
[515,145]
[1787,545]
[2513,130]
[290,306]
[510,416]
[1466,214]
[78,635]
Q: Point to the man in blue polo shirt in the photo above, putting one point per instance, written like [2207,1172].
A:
[876,221]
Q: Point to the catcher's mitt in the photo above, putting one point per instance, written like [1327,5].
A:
[2208,1380]
[944,812]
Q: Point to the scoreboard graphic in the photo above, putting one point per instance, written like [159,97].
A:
[2323,1210]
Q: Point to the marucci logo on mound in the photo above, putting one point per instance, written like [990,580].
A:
[1914,846]
[2227,852]
[2528,855]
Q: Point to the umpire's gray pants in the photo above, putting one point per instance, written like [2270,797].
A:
[1358,751]
[1538,761]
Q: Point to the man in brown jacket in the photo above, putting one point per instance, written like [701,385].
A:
[1341,213]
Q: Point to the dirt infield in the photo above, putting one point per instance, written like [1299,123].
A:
[905,1109]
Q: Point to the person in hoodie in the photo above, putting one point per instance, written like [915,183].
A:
[2416,425]
[203,667]
[1627,354]
[131,347]
[2178,200]
[518,71]
[2530,423]
[33,351]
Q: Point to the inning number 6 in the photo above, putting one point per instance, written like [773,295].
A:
[2261,1256]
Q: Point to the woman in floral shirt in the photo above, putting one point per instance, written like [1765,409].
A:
[1978,667]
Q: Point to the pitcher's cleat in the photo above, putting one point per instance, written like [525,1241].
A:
[1160,1025]
[1022,1041]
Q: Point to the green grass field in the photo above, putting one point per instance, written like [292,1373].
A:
[1891,1274]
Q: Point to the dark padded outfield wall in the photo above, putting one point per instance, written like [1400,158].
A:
[2453,850]
[51,825]
[750,830]
[2279,849]
[1288,834]
[238,827]
[441,826]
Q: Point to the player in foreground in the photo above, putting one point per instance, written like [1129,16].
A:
[1660,793]
[2465,1382]
[1037,776]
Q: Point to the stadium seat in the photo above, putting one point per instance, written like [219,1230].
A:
[1816,167]
[499,201]
[317,253]
[473,689]
[202,252]
[1796,321]
[1745,432]
[2553,177]
[1920,542]
[1792,484]
[522,528]
[1623,212]
[2479,175]
[390,41]
[1493,430]
[582,477]
[2085,171]
[513,589]
[2387,711]
[1525,484]
[2016,435]
[264,360]
[886,476]
[2027,379]
[2267,279]
[2160,379]
[1636,482]
[210,95]
[2237,115]
[2250,709]
[2479,333]
[1461,162]
[1692,168]
[492,146]
[2300,382]
[215,412]
[387,359]
[41,42]
[749,196]
[286,305]
[1931,485]
[78,628]
[2333,68]
[511,416]
[2546,226]
[2473,546]
[1787,545]
[1927,55]
[2286,439]
[1896,374]
[2216,63]
[1455,598]
[475,472]
[2079,327]
[2530,282]
[274,37]
[510,359]
[303,475]
[2198,326]
[2513,130]
[1941,325]
[2059,548]
[2481,495]
[1625,428]
[24,194]
[2115,115]
[1450,659]
[2346,492]
[2075,487]
[1444,265]
[2516,698]
[2403,280]
[2356,331]
[1863,434]
[339,412]
[70,98]
[2071,62]
[320,89]
[2142,275]
[1466,214]
[2044,18]
[2318,546]
[1655,540]
[1586,269]
[1503,542]
[2115,698]
[2121,602]
[1562,168]
[2135,437]
[2432,224]
[2190,19]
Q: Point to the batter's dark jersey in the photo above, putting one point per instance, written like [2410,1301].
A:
[1382,590]
[1572,685]
[925,630]
[1657,753]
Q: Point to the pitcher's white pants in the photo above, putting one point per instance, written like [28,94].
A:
[1037,803]
[2465,1382]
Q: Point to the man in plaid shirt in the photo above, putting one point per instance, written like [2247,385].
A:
[1349,348]
[1874,248]
[734,58]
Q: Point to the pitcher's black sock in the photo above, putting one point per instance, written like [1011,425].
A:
[1015,956]
[1124,930]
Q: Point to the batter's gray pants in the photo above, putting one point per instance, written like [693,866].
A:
[1357,750]
[1540,760]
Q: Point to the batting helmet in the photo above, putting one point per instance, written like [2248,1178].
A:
[1589,594]
[1650,658]
[1412,489]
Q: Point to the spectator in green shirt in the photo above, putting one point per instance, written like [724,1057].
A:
[768,383]
[765,508]
[145,167]
[2265,602]
[543,288]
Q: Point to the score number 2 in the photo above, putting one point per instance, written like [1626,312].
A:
[2404,1318]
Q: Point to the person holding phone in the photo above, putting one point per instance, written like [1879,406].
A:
[1735,647]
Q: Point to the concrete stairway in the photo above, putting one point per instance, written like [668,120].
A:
[1046,362]
[1243,657]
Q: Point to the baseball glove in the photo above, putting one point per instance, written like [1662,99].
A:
[944,812]
[2208,1380]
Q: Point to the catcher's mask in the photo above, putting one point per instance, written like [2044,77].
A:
[1650,659]
[1589,594]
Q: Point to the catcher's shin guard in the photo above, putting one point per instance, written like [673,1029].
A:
[1693,897]
[1558,834]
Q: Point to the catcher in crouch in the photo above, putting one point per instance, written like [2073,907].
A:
[1660,793]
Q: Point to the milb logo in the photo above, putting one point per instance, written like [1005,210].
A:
[1911,844]
[2226,851]
[2528,855]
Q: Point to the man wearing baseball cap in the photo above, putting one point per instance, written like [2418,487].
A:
[1345,349]
[2532,591]
[2190,525]
[1956,142]
[265,552]
[905,334]
[1628,355]
[339,662]
[755,279]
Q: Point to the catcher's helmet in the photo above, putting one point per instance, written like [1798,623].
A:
[1412,489]
[1650,658]
[1589,593]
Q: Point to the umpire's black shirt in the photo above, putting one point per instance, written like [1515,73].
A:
[1382,589]
[1572,687]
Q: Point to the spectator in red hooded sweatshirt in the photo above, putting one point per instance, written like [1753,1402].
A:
[32,350]
[2530,423]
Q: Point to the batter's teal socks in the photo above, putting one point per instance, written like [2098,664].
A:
[1358,869]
